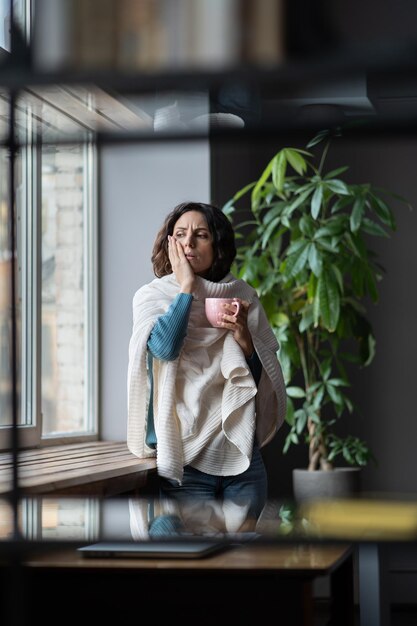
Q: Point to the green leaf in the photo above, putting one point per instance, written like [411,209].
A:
[338,186]
[269,231]
[358,306]
[295,392]
[347,455]
[229,208]
[307,320]
[297,162]
[373,228]
[383,211]
[289,416]
[307,226]
[339,278]
[357,214]
[275,210]
[338,382]
[300,421]
[349,405]
[341,203]
[316,306]
[314,417]
[318,397]
[334,226]
[255,196]
[371,349]
[313,388]
[279,166]
[371,284]
[246,223]
[318,138]
[334,173]
[352,245]
[363,333]
[288,442]
[279,319]
[242,191]
[296,245]
[316,201]
[334,394]
[295,263]
[326,368]
[294,437]
[315,259]
[300,199]
[329,301]
[311,287]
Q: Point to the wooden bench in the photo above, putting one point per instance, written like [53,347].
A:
[94,468]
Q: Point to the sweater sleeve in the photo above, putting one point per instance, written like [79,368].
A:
[168,334]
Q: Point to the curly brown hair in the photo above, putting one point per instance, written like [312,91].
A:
[224,247]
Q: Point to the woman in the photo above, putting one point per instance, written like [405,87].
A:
[203,400]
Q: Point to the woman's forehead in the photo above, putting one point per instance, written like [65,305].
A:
[195,219]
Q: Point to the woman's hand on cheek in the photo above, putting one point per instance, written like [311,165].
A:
[180,266]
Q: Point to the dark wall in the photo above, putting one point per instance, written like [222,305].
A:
[324,27]
[385,391]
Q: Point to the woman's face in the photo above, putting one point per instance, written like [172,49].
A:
[193,233]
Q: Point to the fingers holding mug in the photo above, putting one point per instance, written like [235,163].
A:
[222,312]
[231,311]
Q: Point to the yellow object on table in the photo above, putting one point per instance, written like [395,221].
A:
[360,519]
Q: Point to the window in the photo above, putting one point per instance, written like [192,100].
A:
[5,298]
[60,519]
[67,386]
[56,292]
[55,270]
[64,519]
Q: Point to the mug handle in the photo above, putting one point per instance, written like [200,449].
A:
[237,305]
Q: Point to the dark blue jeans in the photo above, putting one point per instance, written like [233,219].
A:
[249,488]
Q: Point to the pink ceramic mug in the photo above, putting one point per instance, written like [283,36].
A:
[215,310]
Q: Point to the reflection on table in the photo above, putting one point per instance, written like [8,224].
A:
[144,518]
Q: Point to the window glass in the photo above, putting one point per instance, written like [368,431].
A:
[6,520]
[5,298]
[69,519]
[6,312]
[4,22]
[63,331]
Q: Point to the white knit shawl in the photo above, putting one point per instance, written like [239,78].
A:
[185,430]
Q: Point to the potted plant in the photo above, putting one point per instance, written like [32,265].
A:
[306,248]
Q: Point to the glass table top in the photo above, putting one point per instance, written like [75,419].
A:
[85,520]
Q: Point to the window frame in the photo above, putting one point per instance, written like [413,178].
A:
[29,286]
[91,330]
